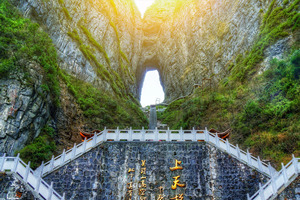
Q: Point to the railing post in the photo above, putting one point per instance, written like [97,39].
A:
[95,140]
[295,163]
[270,169]
[156,134]
[117,134]
[217,140]
[194,134]
[27,172]
[37,187]
[84,144]
[51,191]
[74,151]
[285,177]
[181,134]
[63,156]
[206,135]
[228,146]
[248,197]
[259,164]
[249,157]
[169,136]
[238,151]
[16,163]
[143,134]
[2,162]
[64,196]
[130,134]
[273,183]
[104,134]
[261,192]
[52,163]
[42,169]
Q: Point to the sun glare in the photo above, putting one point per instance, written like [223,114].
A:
[143,5]
[152,89]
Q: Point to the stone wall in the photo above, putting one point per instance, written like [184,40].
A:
[207,172]
[292,192]
[10,186]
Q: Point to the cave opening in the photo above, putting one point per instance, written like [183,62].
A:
[152,91]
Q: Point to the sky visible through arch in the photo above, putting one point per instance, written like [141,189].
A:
[152,89]
[143,4]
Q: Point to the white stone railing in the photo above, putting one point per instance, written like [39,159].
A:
[154,135]
[278,181]
[29,177]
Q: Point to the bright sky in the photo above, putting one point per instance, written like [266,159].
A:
[143,4]
[152,89]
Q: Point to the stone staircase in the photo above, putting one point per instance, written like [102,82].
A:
[26,175]
[278,181]
[154,135]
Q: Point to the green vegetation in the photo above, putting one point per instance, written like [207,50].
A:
[23,42]
[264,113]
[95,43]
[101,110]
[115,76]
[65,10]
[123,55]
[61,2]
[263,110]
[41,149]
[116,31]
[100,69]
[277,23]
[112,3]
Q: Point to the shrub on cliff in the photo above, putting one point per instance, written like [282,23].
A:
[22,41]
[41,148]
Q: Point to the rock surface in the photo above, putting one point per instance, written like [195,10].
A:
[24,108]
[292,192]
[112,24]
[187,41]
[10,186]
[190,41]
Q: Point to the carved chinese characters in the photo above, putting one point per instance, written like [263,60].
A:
[143,185]
[176,181]
[138,189]
[130,184]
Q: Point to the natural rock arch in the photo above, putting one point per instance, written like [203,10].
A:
[150,64]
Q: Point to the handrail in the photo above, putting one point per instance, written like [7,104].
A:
[29,177]
[279,180]
[154,135]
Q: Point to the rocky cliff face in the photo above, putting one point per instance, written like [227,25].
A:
[93,38]
[107,44]
[25,109]
[190,41]
[97,42]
